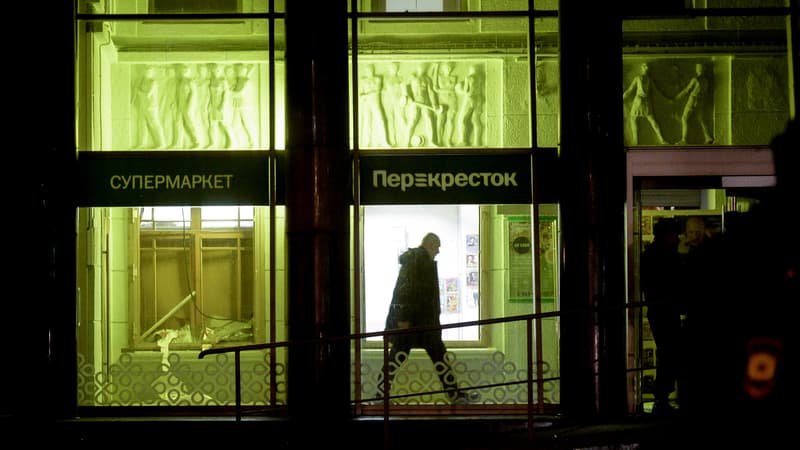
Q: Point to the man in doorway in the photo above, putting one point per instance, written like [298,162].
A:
[661,276]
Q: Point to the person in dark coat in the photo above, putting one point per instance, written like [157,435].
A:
[748,377]
[415,303]
[661,276]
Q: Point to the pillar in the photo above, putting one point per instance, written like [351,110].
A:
[592,161]
[318,187]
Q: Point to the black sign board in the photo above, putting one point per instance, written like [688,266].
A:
[173,178]
[445,179]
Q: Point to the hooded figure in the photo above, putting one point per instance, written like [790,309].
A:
[415,300]
[415,303]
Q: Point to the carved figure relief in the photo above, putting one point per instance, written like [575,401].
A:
[675,103]
[190,106]
[696,93]
[546,89]
[372,120]
[169,105]
[469,124]
[238,77]
[394,103]
[642,89]
[422,104]
[422,109]
[146,99]
[185,132]
[202,95]
[219,135]
[445,89]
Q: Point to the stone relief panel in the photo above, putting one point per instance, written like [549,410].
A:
[669,101]
[459,103]
[194,106]
[760,99]
[422,104]
[548,96]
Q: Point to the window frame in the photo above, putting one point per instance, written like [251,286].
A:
[194,239]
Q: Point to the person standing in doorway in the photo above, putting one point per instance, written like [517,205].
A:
[661,277]
[698,242]
[700,253]
[415,303]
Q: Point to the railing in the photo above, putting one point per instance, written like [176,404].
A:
[538,381]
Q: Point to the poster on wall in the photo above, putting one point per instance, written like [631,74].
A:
[548,278]
[451,285]
[450,299]
[472,279]
[472,243]
[472,261]
[452,305]
[520,262]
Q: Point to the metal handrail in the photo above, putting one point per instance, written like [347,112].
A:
[528,318]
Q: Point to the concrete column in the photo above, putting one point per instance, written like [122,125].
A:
[318,187]
[592,164]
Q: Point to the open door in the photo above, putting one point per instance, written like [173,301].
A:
[683,184]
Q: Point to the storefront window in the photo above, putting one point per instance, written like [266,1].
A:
[178,238]
[425,89]
[389,231]
[158,284]
[211,263]
[485,270]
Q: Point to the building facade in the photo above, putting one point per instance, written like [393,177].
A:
[230,183]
